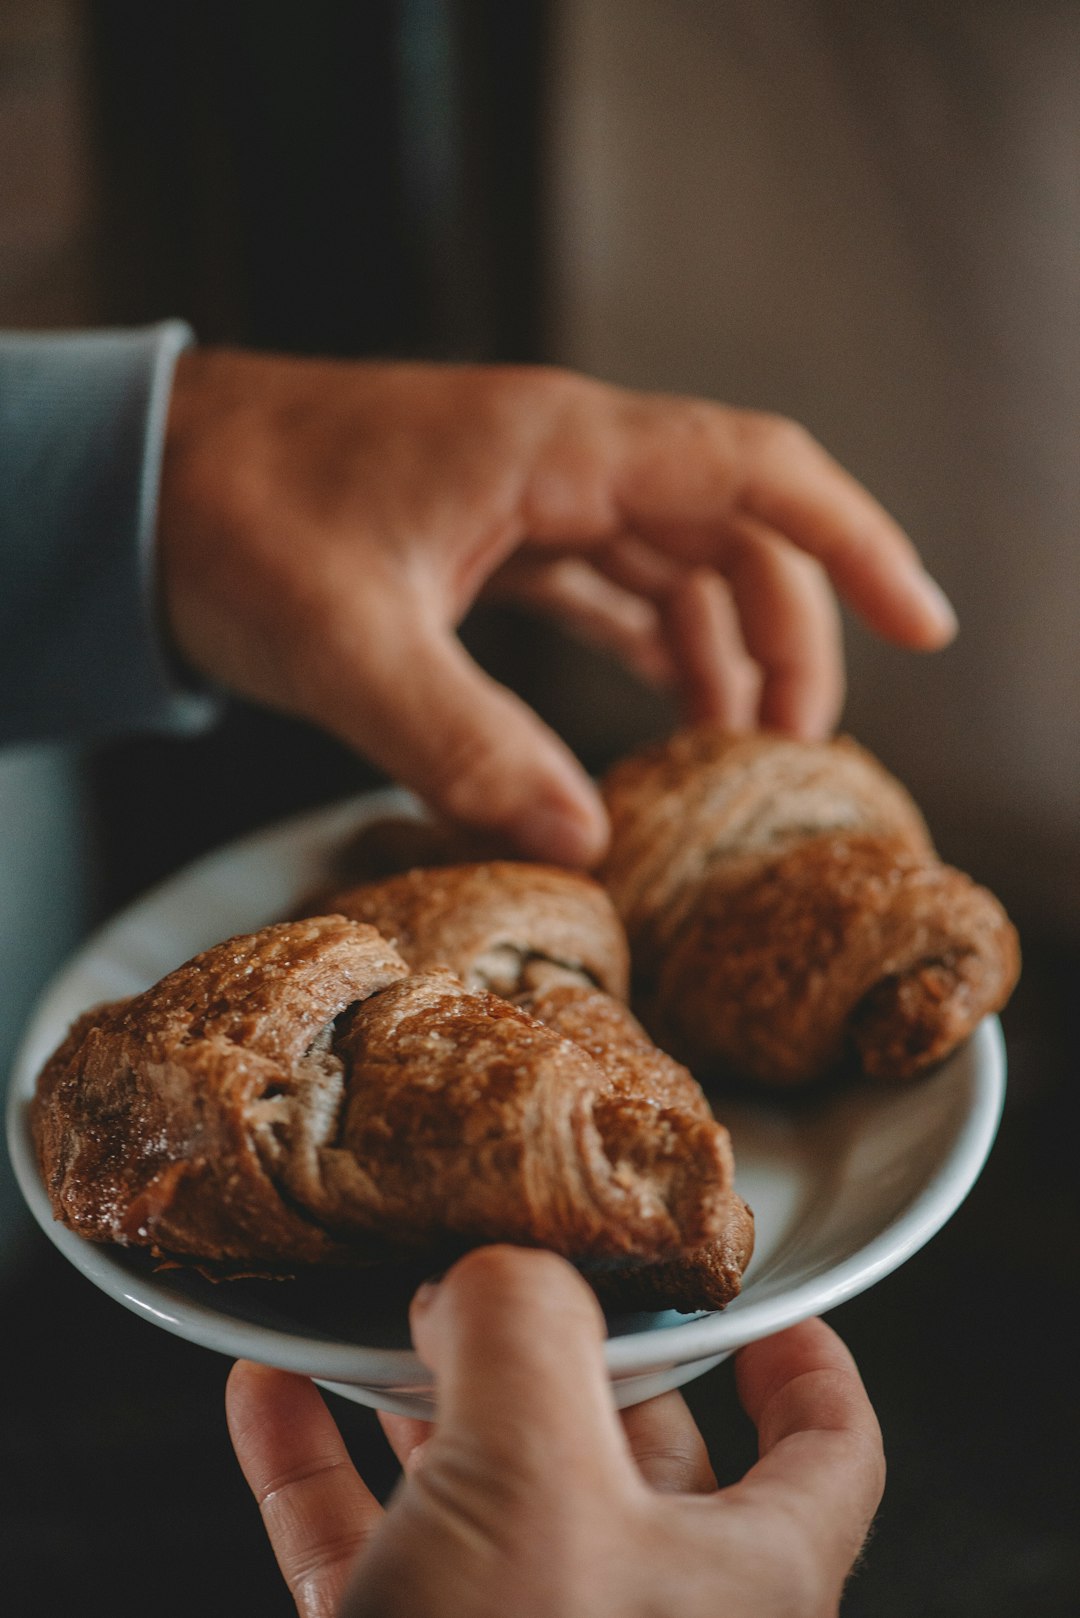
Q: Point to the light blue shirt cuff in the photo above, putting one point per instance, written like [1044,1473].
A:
[83,649]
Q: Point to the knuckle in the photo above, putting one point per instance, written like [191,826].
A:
[323,1557]
[549,388]
[557,382]
[673,1466]
[770,434]
[691,422]
[772,448]
[480,1488]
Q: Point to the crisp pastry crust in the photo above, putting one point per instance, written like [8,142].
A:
[787,912]
[298,1095]
[843,945]
[516,1130]
[157,1121]
[493,923]
[683,808]
[707,1277]
[551,940]
[642,1075]
[633,1066]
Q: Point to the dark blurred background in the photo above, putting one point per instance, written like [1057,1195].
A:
[858,217]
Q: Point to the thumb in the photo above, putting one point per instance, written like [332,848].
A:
[515,1339]
[427,714]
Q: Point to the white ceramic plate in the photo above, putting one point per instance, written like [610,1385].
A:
[843,1192]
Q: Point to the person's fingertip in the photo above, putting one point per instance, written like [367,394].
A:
[812,715]
[803,703]
[808,727]
[499,1284]
[940,607]
[564,832]
[483,758]
[247,1389]
[498,1270]
[425,1295]
[423,1301]
[937,620]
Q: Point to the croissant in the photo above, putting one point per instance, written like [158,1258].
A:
[707,1277]
[787,912]
[298,1095]
[642,1076]
[495,923]
[550,940]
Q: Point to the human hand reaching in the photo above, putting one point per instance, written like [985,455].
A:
[532,1496]
[324,527]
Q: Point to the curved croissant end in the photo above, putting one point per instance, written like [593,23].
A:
[297,1095]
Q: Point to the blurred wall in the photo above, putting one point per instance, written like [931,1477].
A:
[865,217]
[868,217]
[48,194]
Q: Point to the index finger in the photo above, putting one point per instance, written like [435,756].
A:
[317,1512]
[691,467]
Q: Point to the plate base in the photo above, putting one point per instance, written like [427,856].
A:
[628,1390]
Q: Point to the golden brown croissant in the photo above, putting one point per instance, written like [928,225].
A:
[494,924]
[786,910]
[639,1073]
[298,1095]
[159,1119]
[707,1277]
[551,940]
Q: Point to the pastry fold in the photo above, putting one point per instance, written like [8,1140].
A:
[641,1076]
[551,941]
[161,1120]
[788,914]
[494,923]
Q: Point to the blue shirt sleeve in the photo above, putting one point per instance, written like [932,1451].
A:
[83,654]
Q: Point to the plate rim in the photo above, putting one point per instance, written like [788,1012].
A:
[679,1343]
